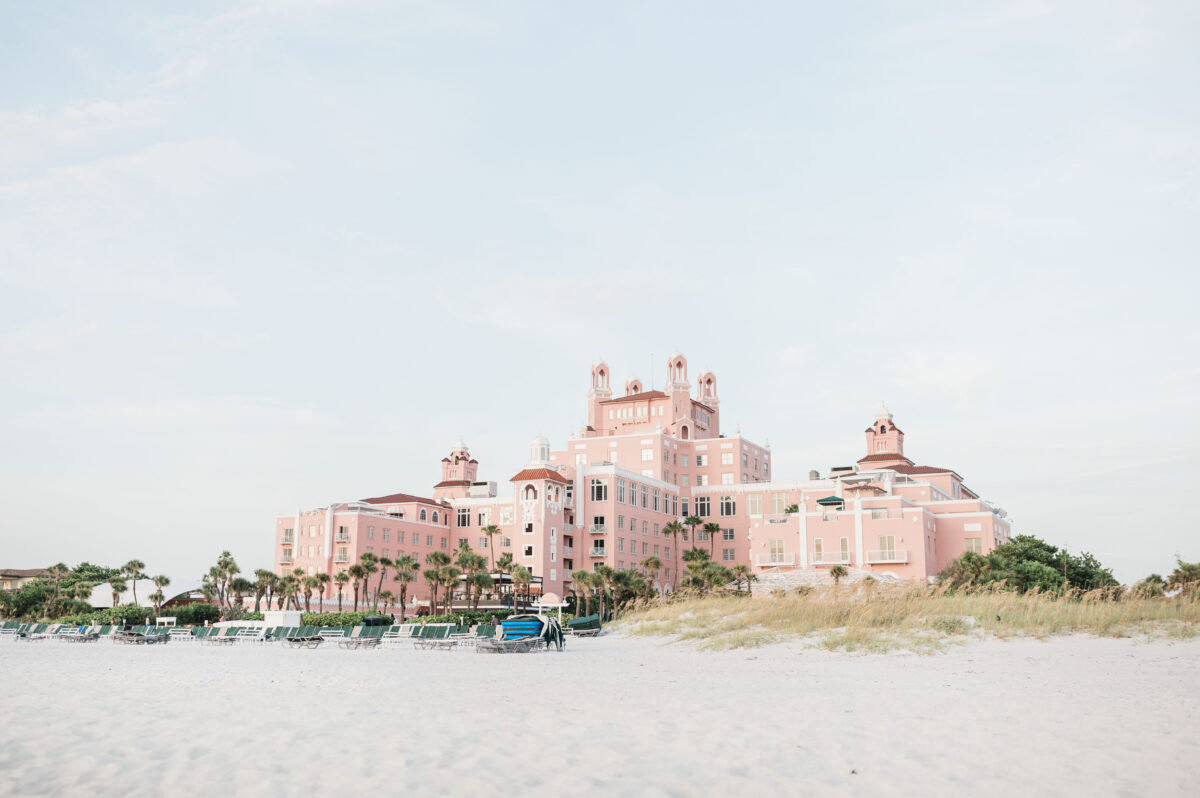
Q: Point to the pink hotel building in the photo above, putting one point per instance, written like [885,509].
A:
[642,460]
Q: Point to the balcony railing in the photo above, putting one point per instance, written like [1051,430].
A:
[776,559]
[341,558]
[878,514]
[887,555]
[341,537]
[598,553]
[597,529]
[286,559]
[289,539]
[567,551]
[777,518]
[830,558]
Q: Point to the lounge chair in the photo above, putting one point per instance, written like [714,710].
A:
[524,633]
[586,626]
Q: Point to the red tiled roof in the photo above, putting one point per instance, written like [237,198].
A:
[400,498]
[916,469]
[453,483]
[539,473]
[875,458]
[636,397]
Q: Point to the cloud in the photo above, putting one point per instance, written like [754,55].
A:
[31,137]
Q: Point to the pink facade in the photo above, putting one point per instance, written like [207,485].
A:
[642,460]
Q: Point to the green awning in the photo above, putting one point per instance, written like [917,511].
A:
[831,500]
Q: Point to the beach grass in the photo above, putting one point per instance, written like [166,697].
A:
[879,618]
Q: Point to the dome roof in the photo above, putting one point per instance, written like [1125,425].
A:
[540,440]
[459,446]
[674,355]
[883,412]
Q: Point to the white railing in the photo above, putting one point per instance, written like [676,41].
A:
[777,518]
[598,553]
[887,555]
[568,551]
[289,539]
[776,559]
[286,559]
[340,538]
[830,558]
[341,558]
[878,514]
[597,529]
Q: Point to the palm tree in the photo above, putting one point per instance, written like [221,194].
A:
[341,578]
[712,530]
[652,565]
[791,509]
[581,585]
[693,521]
[322,583]
[433,578]
[437,560]
[370,564]
[385,596]
[118,587]
[838,572]
[384,565]
[133,570]
[289,586]
[406,568]
[57,572]
[159,583]
[504,565]
[742,573]
[521,578]
[239,587]
[262,580]
[358,573]
[674,530]
[450,575]
[310,583]
[481,580]
[491,530]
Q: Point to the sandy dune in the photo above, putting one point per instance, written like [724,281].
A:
[609,716]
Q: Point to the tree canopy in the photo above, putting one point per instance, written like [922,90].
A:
[1027,562]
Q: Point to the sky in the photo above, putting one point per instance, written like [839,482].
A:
[261,256]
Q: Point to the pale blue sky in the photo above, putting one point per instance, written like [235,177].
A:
[255,256]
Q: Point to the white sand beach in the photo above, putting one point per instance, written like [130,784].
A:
[609,716]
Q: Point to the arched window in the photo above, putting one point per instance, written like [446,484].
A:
[435,516]
[423,516]
[530,492]
[683,432]
[882,428]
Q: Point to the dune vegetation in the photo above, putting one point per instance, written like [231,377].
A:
[876,617]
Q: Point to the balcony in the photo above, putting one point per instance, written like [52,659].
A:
[888,556]
[775,559]
[286,559]
[341,537]
[341,558]
[288,540]
[568,551]
[598,553]
[830,558]
[597,529]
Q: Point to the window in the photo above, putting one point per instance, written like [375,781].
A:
[506,542]
[666,456]
[683,480]
[647,455]
[683,460]
[645,548]
[702,506]
[464,517]
[435,516]
[726,534]
[429,540]
[656,500]
[597,523]
[386,553]
[599,490]
[975,545]
[400,536]
[387,533]
[683,507]
[620,522]
[701,460]
[644,527]
[529,529]
[675,505]
[818,550]
[620,544]
[844,549]
[645,497]
[655,550]
[887,547]
[527,551]
[370,533]
[483,518]
[530,493]
[621,490]
[726,458]
[745,460]
[701,535]
[754,504]
[727,479]
[727,555]
[444,543]
[728,506]
[779,503]
[506,516]
[701,480]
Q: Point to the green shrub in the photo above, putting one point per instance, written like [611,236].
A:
[467,617]
[196,614]
[338,618]
[112,616]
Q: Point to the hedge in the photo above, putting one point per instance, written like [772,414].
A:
[111,616]
[338,618]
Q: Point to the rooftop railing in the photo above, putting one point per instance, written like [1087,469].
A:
[776,559]
[887,555]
